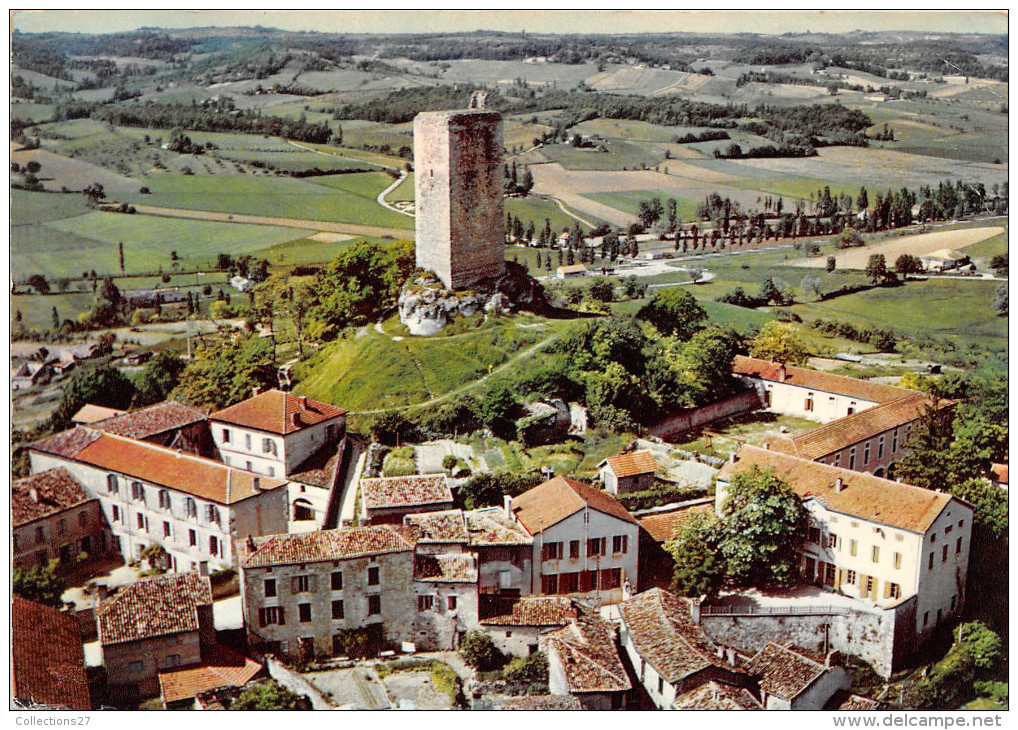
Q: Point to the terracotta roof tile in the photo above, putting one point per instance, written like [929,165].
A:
[319,469]
[47,658]
[312,547]
[783,671]
[151,607]
[864,496]
[490,527]
[153,420]
[446,568]
[663,632]
[637,462]
[410,491]
[844,701]
[590,660]
[534,702]
[717,696]
[177,470]
[54,491]
[534,611]
[999,472]
[823,440]
[89,413]
[66,443]
[662,525]
[817,380]
[277,412]
[449,526]
[549,503]
[220,667]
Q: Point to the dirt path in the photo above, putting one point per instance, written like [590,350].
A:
[260,220]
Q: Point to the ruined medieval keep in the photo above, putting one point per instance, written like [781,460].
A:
[459,190]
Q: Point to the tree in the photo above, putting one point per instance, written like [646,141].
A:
[157,379]
[449,462]
[876,268]
[674,312]
[55,316]
[849,238]
[602,290]
[489,489]
[1000,300]
[33,166]
[39,583]
[832,264]
[102,385]
[479,651]
[699,566]
[39,283]
[862,202]
[814,285]
[763,520]
[222,375]
[93,194]
[120,252]
[269,695]
[528,670]
[908,264]
[999,264]
[496,410]
[779,342]
[698,372]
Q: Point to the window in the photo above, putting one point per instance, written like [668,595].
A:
[268,446]
[450,603]
[425,603]
[833,542]
[933,538]
[302,510]
[164,499]
[929,564]
[809,402]
[304,612]
[247,441]
[226,435]
[954,601]
[813,535]
[574,549]
[337,581]
[926,618]
[272,615]
[851,458]
[137,492]
[337,610]
[894,441]
[173,660]
[191,508]
[961,524]
[620,544]
[112,484]
[660,685]
[551,551]
[893,590]
[374,605]
[876,553]
[850,577]
[61,526]
[611,578]
[568,582]
[141,521]
[851,408]
[166,528]
[869,586]
[948,530]
[212,514]
[213,545]
[83,518]
[837,459]
[373,576]
[596,546]
[192,538]
[40,535]
[136,666]
[943,557]
[272,471]
[853,547]
[17,543]
[116,513]
[301,584]
[549,584]
[880,448]
[899,537]
[897,560]
[248,466]
[957,547]
[866,453]
[269,584]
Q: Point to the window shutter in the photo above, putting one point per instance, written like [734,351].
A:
[261,617]
[282,616]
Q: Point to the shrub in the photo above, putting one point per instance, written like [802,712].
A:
[479,651]
[530,670]
[397,466]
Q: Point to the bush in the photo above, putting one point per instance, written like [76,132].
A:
[530,670]
[479,651]
[397,466]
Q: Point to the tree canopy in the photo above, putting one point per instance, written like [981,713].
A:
[268,695]
[225,374]
[102,385]
[675,312]
[778,341]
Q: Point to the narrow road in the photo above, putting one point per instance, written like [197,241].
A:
[571,214]
[260,220]
[381,196]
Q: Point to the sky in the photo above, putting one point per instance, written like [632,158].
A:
[534,21]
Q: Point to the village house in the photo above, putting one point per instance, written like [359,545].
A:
[152,625]
[504,551]
[527,703]
[27,374]
[220,667]
[584,662]
[387,500]
[53,517]
[806,393]
[90,413]
[867,441]
[789,679]
[516,624]
[714,696]
[879,541]
[626,473]
[998,476]
[943,259]
[47,658]
[194,508]
[445,589]
[571,272]
[670,653]
[585,542]
[171,424]
[310,594]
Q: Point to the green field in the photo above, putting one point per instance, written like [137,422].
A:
[621,155]
[37,311]
[990,247]
[629,201]
[539,209]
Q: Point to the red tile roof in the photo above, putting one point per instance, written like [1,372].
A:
[277,412]
[549,503]
[816,380]
[662,525]
[221,667]
[44,494]
[999,472]
[844,701]
[784,672]
[632,464]
[535,611]
[47,659]
[446,568]
[844,432]
[717,696]
[449,526]
[320,468]
[534,702]
[867,497]
[153,420]
[664,633]
[588,655]
[66,443]
[89,413]
[490,527]
[194,475]
[411,491]
[313,547]
[167,604]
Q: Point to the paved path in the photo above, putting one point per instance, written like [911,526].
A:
[569,213]
[381,196]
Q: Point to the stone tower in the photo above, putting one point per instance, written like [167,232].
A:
[459,189]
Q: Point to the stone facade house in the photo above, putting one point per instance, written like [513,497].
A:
[669,651]
[47,658]
[52,516]
[625,473]
[169,423]
[180,687]
[445,589]
[789,679]
[583,661]
[585,542]
[153,625]
[504,551]
[714,696]
[387,500]
[516,624]
[305,594]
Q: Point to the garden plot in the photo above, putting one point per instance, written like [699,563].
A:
[857,258]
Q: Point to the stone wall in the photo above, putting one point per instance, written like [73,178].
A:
[459,195]
[744,402]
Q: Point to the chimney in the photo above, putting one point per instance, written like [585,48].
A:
[34,494]
[507,504]
[250,544]
[295,419]
[782,373]
[694,610]
[256,482]
[839,485]
[302,401]
[255,391]
[734,458]
[766,445]
[834,658]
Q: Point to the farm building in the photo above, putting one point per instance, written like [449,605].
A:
[625,473]
[570,272]
[944,260]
